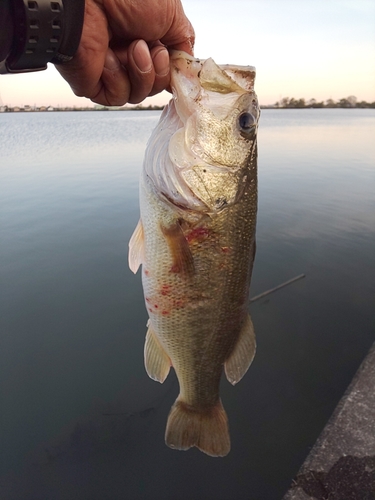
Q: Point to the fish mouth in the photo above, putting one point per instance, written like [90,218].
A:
[196,81]
[223,78]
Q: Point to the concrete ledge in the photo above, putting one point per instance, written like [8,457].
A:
[341,465]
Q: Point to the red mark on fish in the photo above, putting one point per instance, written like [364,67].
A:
[197,235]
[165,290]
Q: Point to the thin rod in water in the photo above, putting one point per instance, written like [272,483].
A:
[271,290]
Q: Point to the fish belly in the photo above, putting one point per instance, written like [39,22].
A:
[197,309]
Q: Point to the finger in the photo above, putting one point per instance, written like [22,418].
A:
[140,70]
[160,60]
[187,45]
[181,35]
[114,87]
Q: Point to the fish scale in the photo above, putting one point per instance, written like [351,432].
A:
[196,244]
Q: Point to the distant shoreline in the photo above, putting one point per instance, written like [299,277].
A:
[350,102]
[158,109]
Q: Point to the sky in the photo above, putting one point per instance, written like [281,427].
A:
[322,49]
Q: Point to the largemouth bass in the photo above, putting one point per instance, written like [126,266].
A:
[196,243]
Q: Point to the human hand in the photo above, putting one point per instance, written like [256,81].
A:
[123,56]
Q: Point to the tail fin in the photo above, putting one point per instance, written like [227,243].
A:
[206,429]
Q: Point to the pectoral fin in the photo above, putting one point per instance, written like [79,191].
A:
[183,261]
[136,248]
[157,362]
[242,355]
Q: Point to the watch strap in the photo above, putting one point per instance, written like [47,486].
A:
[44,31]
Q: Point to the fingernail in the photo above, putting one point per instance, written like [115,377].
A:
[141,56]
[161,62]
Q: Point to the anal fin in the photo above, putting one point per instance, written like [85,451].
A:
[243,353]
[157,362]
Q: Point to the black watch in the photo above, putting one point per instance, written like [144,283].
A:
[44,31]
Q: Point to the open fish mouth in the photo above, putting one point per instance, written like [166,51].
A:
[195,80]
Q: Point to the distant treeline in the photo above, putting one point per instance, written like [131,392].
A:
[348,102]
[285,102]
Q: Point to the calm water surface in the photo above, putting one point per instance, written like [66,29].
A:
[79,416]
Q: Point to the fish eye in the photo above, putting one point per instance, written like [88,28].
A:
[246,122]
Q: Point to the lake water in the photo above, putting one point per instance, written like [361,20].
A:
[80,419]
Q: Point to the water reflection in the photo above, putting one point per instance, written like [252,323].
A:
[80,418]
[316,177]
